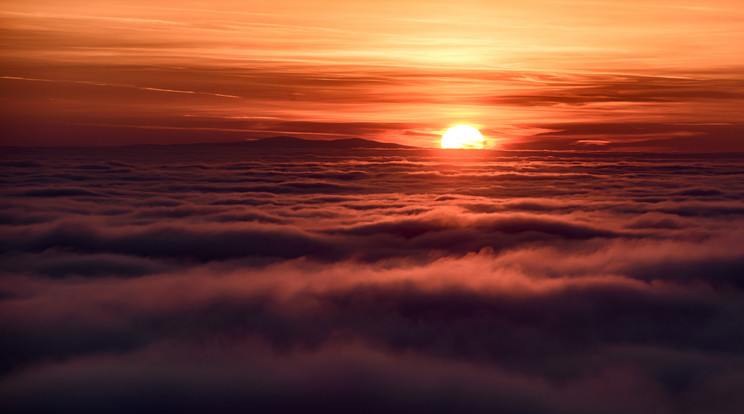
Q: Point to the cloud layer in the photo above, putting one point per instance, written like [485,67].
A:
[160,279]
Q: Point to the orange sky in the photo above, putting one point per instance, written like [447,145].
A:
[538,74]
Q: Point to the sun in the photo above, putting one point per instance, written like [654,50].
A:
[463,137]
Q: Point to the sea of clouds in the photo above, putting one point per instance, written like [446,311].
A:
[195,279]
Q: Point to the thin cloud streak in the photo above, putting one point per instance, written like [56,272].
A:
[114,85]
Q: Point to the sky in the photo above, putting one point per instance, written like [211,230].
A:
[628,75]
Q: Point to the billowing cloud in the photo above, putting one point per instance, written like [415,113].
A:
[370,280]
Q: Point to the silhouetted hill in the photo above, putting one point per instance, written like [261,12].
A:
[280,142]
[292,142]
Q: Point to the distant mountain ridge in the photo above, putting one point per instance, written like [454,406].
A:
[301,143]
[278,142]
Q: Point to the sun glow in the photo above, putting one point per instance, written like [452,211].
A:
[463,137]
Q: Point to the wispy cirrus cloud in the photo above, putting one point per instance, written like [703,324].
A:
[506,69]
[116,85]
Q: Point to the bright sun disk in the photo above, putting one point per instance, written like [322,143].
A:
[463,137]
